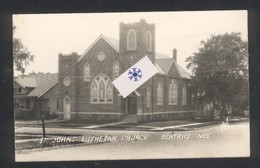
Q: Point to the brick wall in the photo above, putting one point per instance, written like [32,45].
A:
[97,67]
[67,68]
[140,29]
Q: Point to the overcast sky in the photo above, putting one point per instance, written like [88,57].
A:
[46,35]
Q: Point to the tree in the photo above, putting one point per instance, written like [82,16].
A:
[38,73]
[21,56]
[220,71]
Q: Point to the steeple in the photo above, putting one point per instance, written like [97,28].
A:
[135,41]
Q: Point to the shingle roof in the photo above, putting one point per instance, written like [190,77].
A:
[44,82]
[183,73]
[26,82]
[112,41]
[163,62]
[161,56]
[159,69]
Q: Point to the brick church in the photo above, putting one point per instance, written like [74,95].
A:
[86,91]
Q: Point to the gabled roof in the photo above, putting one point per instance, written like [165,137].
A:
[182,72]
[113,42]
[159,69]
[162,61]
[161,56]
[26,82]
[44,82]
[165,64]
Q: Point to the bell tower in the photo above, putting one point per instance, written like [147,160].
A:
[135,41]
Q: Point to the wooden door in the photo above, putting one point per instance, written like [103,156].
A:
[67,107]
[131,105]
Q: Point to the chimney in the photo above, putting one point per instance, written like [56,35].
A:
[174,54]
[142,20]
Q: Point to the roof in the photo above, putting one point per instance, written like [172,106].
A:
[113,42]
[44,82]
[183,73]
[26,82]
[163,62]
[159,69]
[161,56]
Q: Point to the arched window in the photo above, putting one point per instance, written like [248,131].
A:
[131,40]
[159,93]
[86,73]
[101,89]
[115,70]
[109,91]
[148,98]
[184,95]
[67,100]
[173,93]
[149,41]
[94,92]
[192,99]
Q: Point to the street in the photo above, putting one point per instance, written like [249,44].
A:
[214,141]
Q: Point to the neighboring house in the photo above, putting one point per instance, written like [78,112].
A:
[86,91]
[36,94]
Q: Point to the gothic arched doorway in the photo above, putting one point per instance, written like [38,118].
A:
[66,107]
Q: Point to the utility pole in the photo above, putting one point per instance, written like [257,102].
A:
[43,125]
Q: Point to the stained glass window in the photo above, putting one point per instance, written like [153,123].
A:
[184,95]
[86,72]
[159,93]
[148,98]
[115,70]
[101,89]
[173,93]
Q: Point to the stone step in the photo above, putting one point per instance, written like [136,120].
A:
[130,119]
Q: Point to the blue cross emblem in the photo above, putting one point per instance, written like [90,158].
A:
[135,74]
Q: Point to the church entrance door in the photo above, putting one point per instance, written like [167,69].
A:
[132,105]
[66,107]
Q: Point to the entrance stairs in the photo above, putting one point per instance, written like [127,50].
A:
[130,119]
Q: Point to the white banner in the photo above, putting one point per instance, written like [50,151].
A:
[135,76]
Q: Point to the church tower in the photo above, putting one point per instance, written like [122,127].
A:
[135,41]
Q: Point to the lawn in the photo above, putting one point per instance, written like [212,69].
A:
[167,123]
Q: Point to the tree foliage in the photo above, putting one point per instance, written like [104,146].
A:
[21,56]
[36,73]
[220,70]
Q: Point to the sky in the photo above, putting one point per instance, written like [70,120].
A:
[47,35]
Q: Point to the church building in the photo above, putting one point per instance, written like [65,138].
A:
[85,82]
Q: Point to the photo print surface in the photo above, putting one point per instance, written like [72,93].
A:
[194,105]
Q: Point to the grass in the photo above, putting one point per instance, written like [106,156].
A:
[83,122]
[36,144]
[168,123]
[32,142]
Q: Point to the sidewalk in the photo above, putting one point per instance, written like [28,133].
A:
[119,126]
[37,122]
